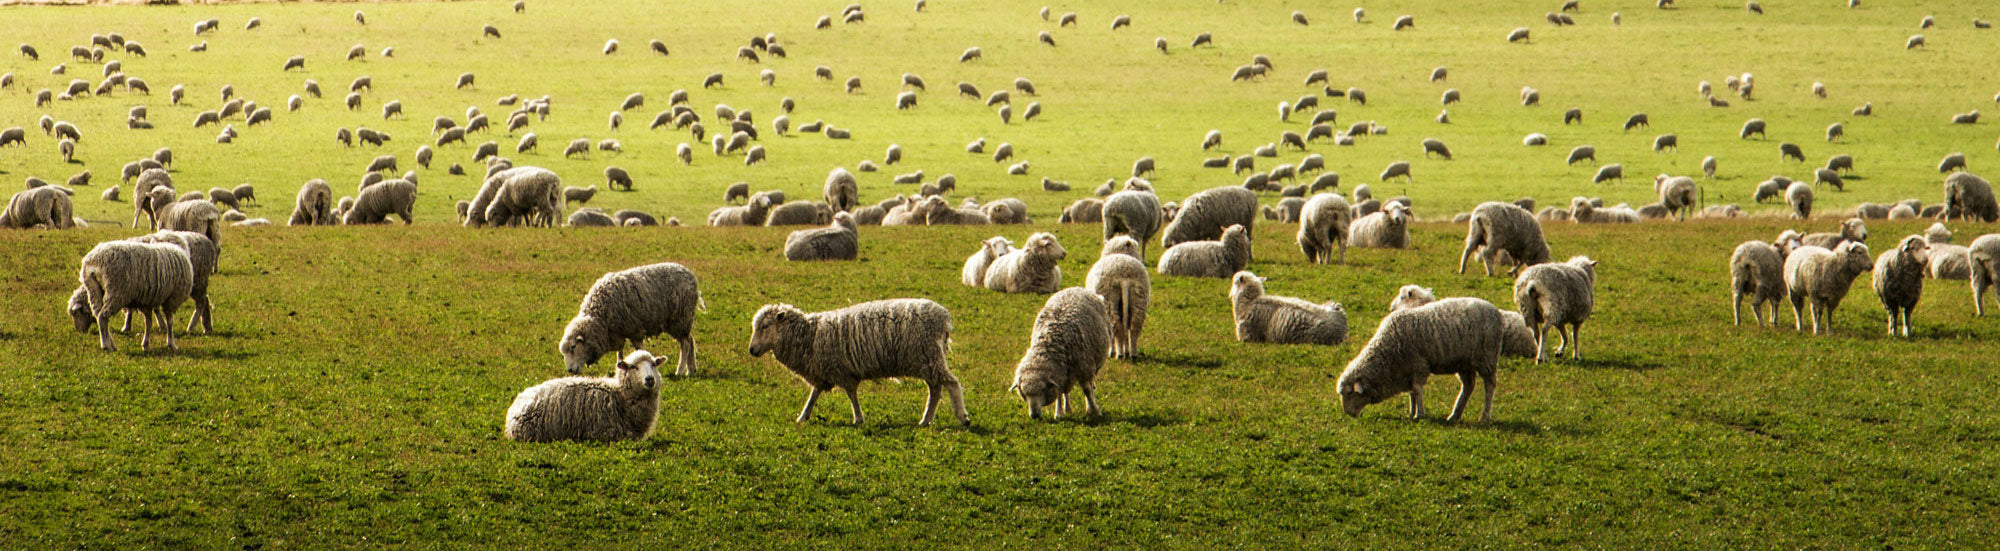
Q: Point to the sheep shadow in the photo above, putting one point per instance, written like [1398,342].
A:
[1565,361]
[1183,361]
[1143,419]
[203,353]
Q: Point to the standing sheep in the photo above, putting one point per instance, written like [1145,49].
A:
[1496,228]
[1985,269]
[1120,277]
[1204,215]
[1134,212]
[1384,229]
[1219,259]
[1323,225]
[842,192]
[1030,269]
[1899,280]
[1969,196]
[1283,320]
[1070,340]
[872,340]
[1454,336]
[1557,295]
[203,254]
[1678,193]
[153,278]
[314,205]
[1800,196]
[838,241]
[1757,270]
[631,306]
[375,203]
[623,406]
[1823,277]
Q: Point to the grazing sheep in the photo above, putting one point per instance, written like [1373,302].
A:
[621,407]
[841,348]
[375,203]
[579,195]
[1840,163]
[1606,173]
[1387,228]
[1557,295]
[1219,259]
[1496,228]
[1029,269]
[1206,214]
[1791,151]
[1637,120]
[1899,280]
[1678,194]
[1666,142]
[1134,212]
[1581,153]
[1968,196]
[1067,348]
[1800,196]
[1519,34]
[47,206]
[1966,118]
[1954,161]
[1324,222]
[1756,270]
[152,278]
[631,306]
[1823,276]
[314,205]
[1829,177]
[1461,336]
[1283,320]
[1399,168]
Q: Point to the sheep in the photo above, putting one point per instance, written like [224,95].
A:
[1461,336]
[1966,118]
[798,213]
[1968,196]
[1404,22]
[1070,340]
[1581,153]
[1756,270]
[835,242]
[1637,120]
[623,406]
[1519,34]
[1984,269]
[375,203]
[1134,212]
[1029,269]
[1323,228]
[1402,168]
[1431,145]
[1823,276]
[1678,194]
[202,253]
[314,205]
[970,54]
[1557,295]
[1219,259]
[974,272]
[222,196]
[48,206]
[1899,280]
[872,340]
[153,278]
[579,195]
[590,217]
[1282,320]
[634,305]
[1666,142]
[1852,229]
[1204,215]
[1121,279]
[1496,228]
[753,213]
[1384,229]
[1954,161]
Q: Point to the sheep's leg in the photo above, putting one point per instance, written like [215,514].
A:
[1817,312]
[1343,251]
[1416,402]
[167,324]
[812,397]
[1978,294]
[1562,333]
[930,405]
[1892,320]
[1090,400]
[854,403]
[686,367]
[1488,377]
[1541,341]
[127,326]
[1062,405]
[1798,313]
[958,402]
[146,338]
[1736,309]
[1465,382]
[1576,341]
[104,331]
[1906,320]
[1471,245]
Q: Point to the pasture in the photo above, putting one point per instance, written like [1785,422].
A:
[354,390]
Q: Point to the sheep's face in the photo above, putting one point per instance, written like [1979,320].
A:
[638,370]
[997,247]
[579,346]
[1411,296]
[79,311]
[1045,245]
[766,326]
[1036,393]
[1916,249]
[1854,229]
[1856,254]
[1354,397]
[1122,244]
[1236,233]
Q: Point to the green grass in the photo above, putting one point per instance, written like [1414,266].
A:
[354,392]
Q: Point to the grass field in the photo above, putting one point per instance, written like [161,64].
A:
[354,391]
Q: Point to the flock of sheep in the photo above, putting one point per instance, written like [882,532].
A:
[1204,235]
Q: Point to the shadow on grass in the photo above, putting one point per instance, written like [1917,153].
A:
[1588,362]
[1184,361]
[200,353]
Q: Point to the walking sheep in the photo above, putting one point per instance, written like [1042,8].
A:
[872,340]
[1029,269]
[1323,225]
[152,278]
[1497,228]
[1121,279]
[1204,215]
[1899,280]
[1454,336]
[1756,270]
[838,241]
[1558,295]
[1219,259]
[1384,229]
[1283,320]
[1823,277]
[623,406]
[1067,348]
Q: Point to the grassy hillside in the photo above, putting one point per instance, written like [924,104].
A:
[354,391]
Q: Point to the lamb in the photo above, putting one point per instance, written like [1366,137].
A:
[835,242]
[621,407]
[634,305]
[1121,279]
[974,273]
[873,340]
[1984,271]
[1461,336]
[1757,270]
[1800,196]
[1899,280]
[1070,340]
[1324,222]
[1823,277]
[1204,215]
[1968,196]
[1852,229]
[1557,295]
[314,205]
[1219,259]
[1283,320]
[1134,212]
[1387,228]
[1030,269]
[153,278]
[1496,228]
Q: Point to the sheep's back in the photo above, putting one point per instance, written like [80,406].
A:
[885,338]
[645,301]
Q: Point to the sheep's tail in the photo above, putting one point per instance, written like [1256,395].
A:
[1530,301]
[700,304]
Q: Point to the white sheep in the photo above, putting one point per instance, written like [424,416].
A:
[1323,225]
[872,340]
[623,406]
[1388,228]
[1204,215]
[1030,269]
[1220,259]
[1984,271]
[153,278]
[631,306]
[1283,320]
[1120,277]
[1823,277]
[1558,295]
[1757,270]
[974,273]
[1519,341]
[1068,347]
[1454,336]
[1899,280]
[838,241]
[1496,228]
[1134,212]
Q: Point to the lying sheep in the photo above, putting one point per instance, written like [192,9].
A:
[1029,269]
[1558,295]
[799,213]
[1899,280]
[1497,228]
[1283,320]
[1083,211]
[1852,229]
[873,340]
[1458,336]
[1384,229]
[1219,259]
[152,278]
[623,406]
[631,306]
[1121,279]
[590,218]
[1823,277]
[838,241]
[1204,215]
[1067,348]
[1324,222]
[974,273]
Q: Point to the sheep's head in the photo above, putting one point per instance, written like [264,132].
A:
[1854,230]
[1038,392]
[1855,253]
[1394,215]
[1043,244]
[1246,283]
[997,246]
[1584,263]
[1355,395]
[1411,296]
[639,368]
[583,342]
[1938,233]
[1123,244]
[844,219]
[768,326]
[1915,249]
[79,310]
[1138,184]
[1580,209]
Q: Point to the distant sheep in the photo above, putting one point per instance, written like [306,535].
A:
[835,242]
[1132,212]
[1323,228]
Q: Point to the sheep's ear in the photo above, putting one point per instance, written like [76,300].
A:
[623,366]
